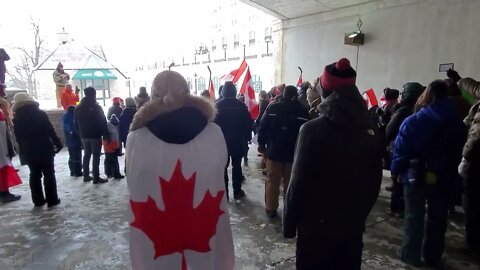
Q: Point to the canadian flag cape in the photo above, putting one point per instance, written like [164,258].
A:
[179,217]
[8,175]
[249,93]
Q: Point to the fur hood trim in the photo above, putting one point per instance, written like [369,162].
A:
[18,105]
[157,107]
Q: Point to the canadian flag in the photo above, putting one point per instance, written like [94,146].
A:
[211,90]
[370,98]
[8,175]
[235,74]
[249,93]
[300,81]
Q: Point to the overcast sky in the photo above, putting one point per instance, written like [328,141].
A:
[129,31]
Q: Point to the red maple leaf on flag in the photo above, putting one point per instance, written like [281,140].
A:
[180,226]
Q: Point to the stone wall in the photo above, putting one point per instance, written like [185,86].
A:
[55,117]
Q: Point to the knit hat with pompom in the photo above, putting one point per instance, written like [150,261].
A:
[337,75]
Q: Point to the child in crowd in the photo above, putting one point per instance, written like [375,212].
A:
[73,142]
[112,168]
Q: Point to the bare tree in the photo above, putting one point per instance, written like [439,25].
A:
[22,74]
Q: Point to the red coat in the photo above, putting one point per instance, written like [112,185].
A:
[68,98]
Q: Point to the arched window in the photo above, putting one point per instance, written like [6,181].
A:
[201,84]
[189,82]
[216,83]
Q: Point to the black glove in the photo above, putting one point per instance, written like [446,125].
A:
[289,235]
[453,75]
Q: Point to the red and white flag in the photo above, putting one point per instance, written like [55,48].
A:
[235,74]
[249,93]
[370,98]
[300,81]
[211,90]
[8,176]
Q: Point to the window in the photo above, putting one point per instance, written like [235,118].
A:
[189,83]
[224,43]
[236,41]
[257,83]
[214,46]
[268,34]
[201,84]
[251,37]
[216,83]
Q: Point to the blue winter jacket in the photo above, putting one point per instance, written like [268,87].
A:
[72,139]
[435,135]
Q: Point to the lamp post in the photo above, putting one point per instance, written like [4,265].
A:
[195,76]
[268,39]
[224,46]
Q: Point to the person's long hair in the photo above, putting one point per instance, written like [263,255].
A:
[263,95]
[435,90]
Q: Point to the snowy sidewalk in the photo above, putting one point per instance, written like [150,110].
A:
[89,229]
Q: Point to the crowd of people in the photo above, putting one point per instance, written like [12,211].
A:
[315,140]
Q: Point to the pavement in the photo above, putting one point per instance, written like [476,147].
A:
[89,229]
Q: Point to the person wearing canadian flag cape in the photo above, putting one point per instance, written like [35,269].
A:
[8,176]
[176,158]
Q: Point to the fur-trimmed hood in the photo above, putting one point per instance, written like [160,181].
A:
[176,123]
[157,107]
[29,102]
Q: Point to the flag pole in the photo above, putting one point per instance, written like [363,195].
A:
[210,75]
[301,71]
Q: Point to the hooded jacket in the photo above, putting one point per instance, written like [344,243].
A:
[90,119]
[126,119]
[234,120]
[339,150]
[34,131]
[141,99]
[411,92]
[114,109]
[169,146]
[470,165]
[279,129]
[72,139]
[68,98]
[435,135]
[59,79]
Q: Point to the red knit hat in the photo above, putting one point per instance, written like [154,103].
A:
[117,100]
[338,75]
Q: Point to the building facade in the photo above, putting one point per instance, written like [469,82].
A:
[236,31]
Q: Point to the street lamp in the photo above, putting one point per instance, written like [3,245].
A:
[224,46]
[268,38]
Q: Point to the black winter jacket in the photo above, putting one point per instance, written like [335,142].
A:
[34,132]
[126,119]
[114,109]
[236,124]
[403,111]
[262,108]
[90,120]
[279,129]
[338,152]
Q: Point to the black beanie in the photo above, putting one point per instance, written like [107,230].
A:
[90,92]
[290,92]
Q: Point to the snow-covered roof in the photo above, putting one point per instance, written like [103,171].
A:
[75,56]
